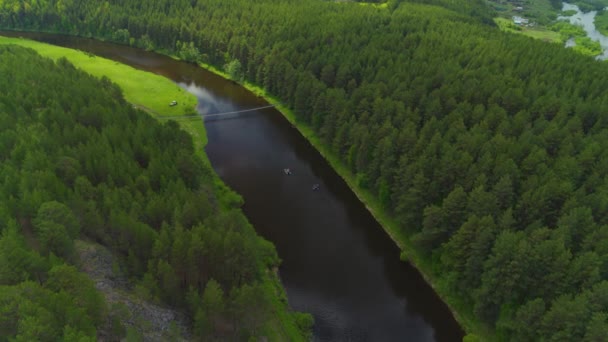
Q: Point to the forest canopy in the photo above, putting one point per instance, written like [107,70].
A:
[489,149]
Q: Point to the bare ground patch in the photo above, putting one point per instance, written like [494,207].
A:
[150,321]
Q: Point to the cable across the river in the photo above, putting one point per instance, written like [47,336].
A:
[214,114]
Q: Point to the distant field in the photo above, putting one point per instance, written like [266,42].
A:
[542,34]
[537,33]
[538,11]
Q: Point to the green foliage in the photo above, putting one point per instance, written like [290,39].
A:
[18,262]
[507,25]
[526,321]
[234,70]
[87,163]
[567,30]
[601,22]
[118,314]
[31,312]
[591,5]
[596,330]
[66,279]
[587,46]
[250,307]
[133,335]
[210,311]
[121,36]
[145,42]
[54,238]
[60,214]
[188,52]
[488,148]
[471,338]
[304,322]
[541,12]
[475,8]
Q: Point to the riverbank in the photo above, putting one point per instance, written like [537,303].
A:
[139,87]
[591,40]
[144,90]
[535,19]
[463,315]
[601,22]
[584,32]
[153,93]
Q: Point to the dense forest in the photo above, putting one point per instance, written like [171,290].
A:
[78,162]
[489,149]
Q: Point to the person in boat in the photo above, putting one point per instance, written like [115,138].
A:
[287,171]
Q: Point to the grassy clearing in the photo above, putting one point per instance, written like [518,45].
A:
[139,87]
[541,33]
[142,88]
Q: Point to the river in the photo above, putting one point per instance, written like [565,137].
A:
[338,263]
[587,21]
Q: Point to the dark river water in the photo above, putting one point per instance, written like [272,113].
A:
[338,263]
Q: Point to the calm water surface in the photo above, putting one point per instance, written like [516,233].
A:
[338,264]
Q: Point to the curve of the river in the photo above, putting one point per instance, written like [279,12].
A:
[338,263]
[587,21]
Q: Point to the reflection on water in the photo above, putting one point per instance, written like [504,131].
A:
[338,264]
[207,103]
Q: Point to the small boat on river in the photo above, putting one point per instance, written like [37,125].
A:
[287,171]
[315,187]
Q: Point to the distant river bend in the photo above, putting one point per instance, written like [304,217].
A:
[587,21]
[338,263]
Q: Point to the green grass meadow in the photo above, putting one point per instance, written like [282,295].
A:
[146,90]
[139,87]
[153,93]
